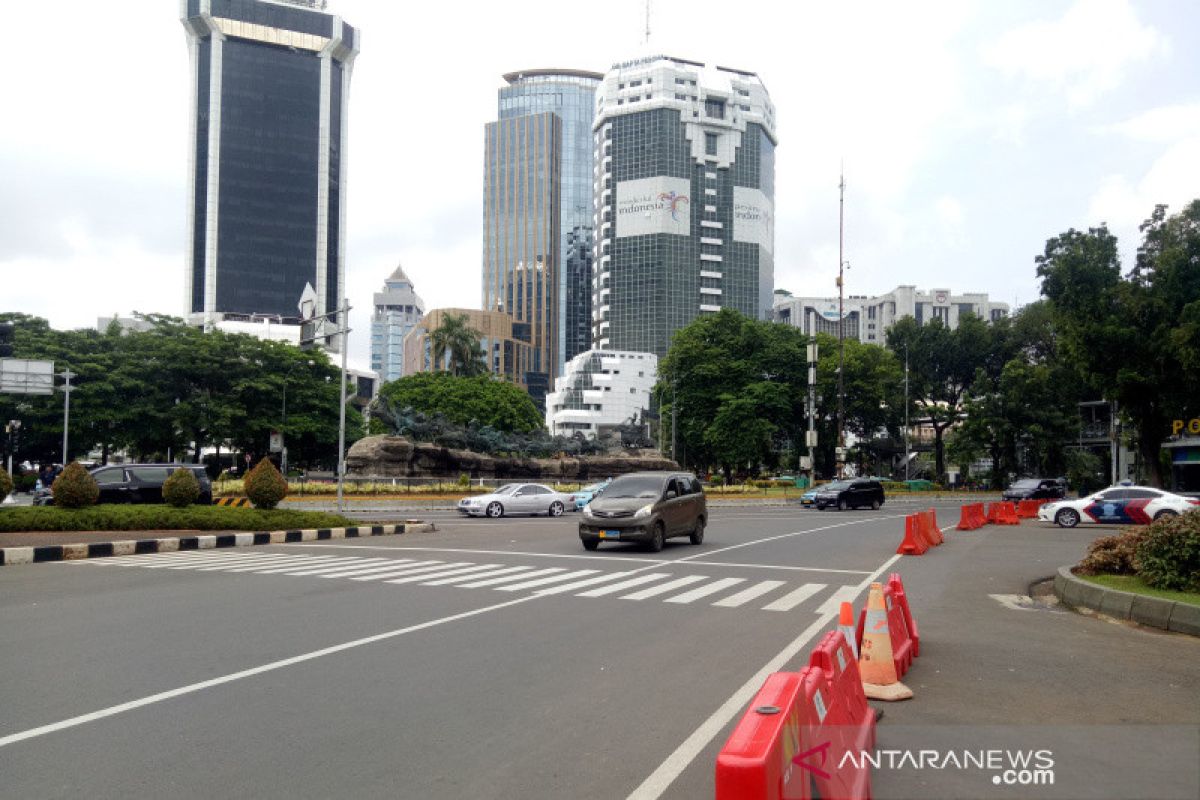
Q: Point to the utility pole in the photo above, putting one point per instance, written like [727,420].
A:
[66,375]
[812,413]
[906,457]
[674,417]
[841,407]
[345,333]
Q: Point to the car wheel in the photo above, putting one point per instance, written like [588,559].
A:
[556,509]
[495,510]
[874,505]
[1165,513]
[591,544]
[698,532]
[658,538]
[842,505]
[1067,518]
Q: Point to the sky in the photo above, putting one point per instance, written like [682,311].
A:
[969,133]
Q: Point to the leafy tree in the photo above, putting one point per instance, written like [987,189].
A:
[1133,338]
[458,339]
[481,399]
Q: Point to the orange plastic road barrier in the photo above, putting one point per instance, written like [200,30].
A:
[929,527]
[1028,509]
[756,760]
[901,597]
[848,723]
[1003,514]
[879,664]
[914,543]
[971,517]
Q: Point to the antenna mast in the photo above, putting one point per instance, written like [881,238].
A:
[647,22]
[840,455]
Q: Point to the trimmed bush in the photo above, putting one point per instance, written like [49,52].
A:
[264,485]
[75,487]
[6,485]
[1168,555]
[181,488]
[1113,555]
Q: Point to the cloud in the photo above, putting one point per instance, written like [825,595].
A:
[1083,54]
[1164,124]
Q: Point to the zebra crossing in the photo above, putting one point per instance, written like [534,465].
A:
[634,585]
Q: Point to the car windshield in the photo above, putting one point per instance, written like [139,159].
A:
[1029,483]
[506,490]
[837,486]
[595,488]
[635,486]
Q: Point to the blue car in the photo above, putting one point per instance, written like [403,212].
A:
[585,495]
[809,498]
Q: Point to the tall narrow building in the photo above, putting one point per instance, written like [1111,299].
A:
[270,83]
[537,215]
[398,309]
[685,199]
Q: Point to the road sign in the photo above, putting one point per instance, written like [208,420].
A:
[276,441]
[22,376]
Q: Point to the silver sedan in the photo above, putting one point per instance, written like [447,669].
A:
[517,498]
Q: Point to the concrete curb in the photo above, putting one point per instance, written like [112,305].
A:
[1155,612]
[128,547]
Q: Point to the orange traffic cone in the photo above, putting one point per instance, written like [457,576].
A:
[876,664]
[847,627]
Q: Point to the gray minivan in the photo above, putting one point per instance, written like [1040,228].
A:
[648,508]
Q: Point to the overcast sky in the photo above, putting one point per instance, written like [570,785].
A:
[970,132]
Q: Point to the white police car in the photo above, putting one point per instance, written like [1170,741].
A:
[1117,505]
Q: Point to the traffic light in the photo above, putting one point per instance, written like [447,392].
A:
[6,339]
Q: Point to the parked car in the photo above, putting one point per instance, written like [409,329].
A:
[646,507]
[851,493]
[517,498]
[587,493]
[1117,505]
[1036,489]
[135,483]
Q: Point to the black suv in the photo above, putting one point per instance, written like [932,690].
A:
[136,483]
[850,493]
[646,507]
[1036,489]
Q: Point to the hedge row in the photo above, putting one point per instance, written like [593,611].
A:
[162,518]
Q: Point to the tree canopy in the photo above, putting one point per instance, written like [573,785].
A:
[455,338]
[481,399]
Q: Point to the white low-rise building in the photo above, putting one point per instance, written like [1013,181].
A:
[600,390]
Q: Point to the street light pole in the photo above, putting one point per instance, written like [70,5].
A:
[345,333]
[906,457]
[67,388]
[841,410]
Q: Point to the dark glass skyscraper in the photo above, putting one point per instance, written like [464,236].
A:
[270,80]
[537,213]
[685,195]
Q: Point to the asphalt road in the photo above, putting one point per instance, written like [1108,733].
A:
[494,658]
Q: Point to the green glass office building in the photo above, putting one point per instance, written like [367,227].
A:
[685,199]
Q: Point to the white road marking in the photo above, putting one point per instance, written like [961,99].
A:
[392,563]
[748,594]
[443,573]
[794,598]
[833,604]
[1014,602]
[222,562]
[664,588]
[566,576]
[623,585]
[476,576]
[284,566]
[507,578]
[326,569]
[661,779]
[420,566]
[570,587]
[248,673]
[705,591]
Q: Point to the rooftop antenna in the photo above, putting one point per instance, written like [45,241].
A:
[840,454]
[647,41]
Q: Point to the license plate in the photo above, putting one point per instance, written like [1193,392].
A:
[610,534]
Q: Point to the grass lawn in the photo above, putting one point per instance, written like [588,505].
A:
[1133,583]
[163,518]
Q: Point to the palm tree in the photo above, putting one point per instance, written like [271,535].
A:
[456,337]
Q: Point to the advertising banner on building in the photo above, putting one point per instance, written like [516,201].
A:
[753,218]
[654,205]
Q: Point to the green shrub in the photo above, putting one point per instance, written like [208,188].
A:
[6,485]
[717,480]
[264,485]
[75,487]
[159,517]
[1168,555]
[464,480]
[181,488]
[1113,555]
